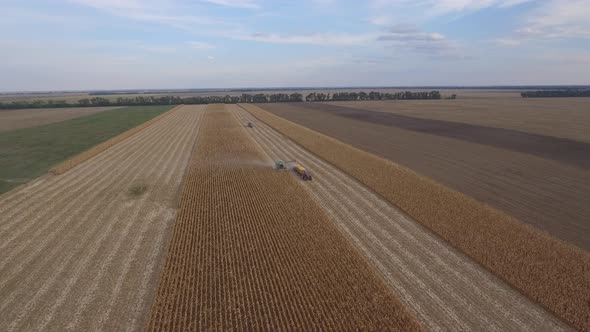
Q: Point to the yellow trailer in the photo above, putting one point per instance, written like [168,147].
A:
[300,170]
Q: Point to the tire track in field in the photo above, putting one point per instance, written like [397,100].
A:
[111,234]
[407,254]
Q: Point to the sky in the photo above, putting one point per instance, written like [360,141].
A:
[54,45]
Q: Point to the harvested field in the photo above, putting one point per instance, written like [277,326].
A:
[25,118]
[546,270]
[86,155]
[546,193]
[252,251]
[28,153]
[445,289]
[557,117]
[84,250]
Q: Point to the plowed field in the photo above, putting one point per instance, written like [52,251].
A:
[445,289]
[557,117]
[251,250]
[83,251]
[541,180]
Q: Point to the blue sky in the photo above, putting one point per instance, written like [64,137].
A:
[127,44]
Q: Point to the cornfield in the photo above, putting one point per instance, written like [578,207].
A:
[251,250]
[548,271]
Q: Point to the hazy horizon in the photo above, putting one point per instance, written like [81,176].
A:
[82,45]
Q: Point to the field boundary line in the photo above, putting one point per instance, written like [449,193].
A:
[97,149]
[551,272]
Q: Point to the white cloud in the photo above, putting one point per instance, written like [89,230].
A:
[508,41]
[201,46]
[338,39]
[402,10]
[236,3]
[410,38]
[553,20]
[112,4]
[449,6]
[160,12]
[559,19]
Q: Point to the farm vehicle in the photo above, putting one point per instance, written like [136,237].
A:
[297,168]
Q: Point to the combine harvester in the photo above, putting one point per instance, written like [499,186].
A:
[297,168]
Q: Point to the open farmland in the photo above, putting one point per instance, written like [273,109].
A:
[541,180]
[556,117]
[547,270]
[445,289]
[84,250]
[252,251]
[25,118]
[30,152]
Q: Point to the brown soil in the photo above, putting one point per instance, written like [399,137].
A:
[252,251]
[558,117]
[563,150]
[17,119]
[545,269]
[79,251]
[445,289]
[551,195]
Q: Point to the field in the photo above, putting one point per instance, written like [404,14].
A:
[30,152]
[252,250]
[555,117]
[445,289]
[166,219]
[545,269]
[541,180]
[25,118]
[84,250]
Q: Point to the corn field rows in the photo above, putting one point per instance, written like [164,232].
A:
[548,271]
[251,250]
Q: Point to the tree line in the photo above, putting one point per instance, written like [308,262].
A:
[555,93]
[244,98]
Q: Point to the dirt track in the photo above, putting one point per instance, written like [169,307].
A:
[16,119]
[80,251]
[444,288]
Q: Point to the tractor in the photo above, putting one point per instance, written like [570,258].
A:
[250,125]
[297,168]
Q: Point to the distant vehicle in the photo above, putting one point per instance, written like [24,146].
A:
[250,125]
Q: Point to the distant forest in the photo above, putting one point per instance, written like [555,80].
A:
[244,98]
[555,93]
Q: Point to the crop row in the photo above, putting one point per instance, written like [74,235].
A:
[545,269]
[251,250]
[86,155]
